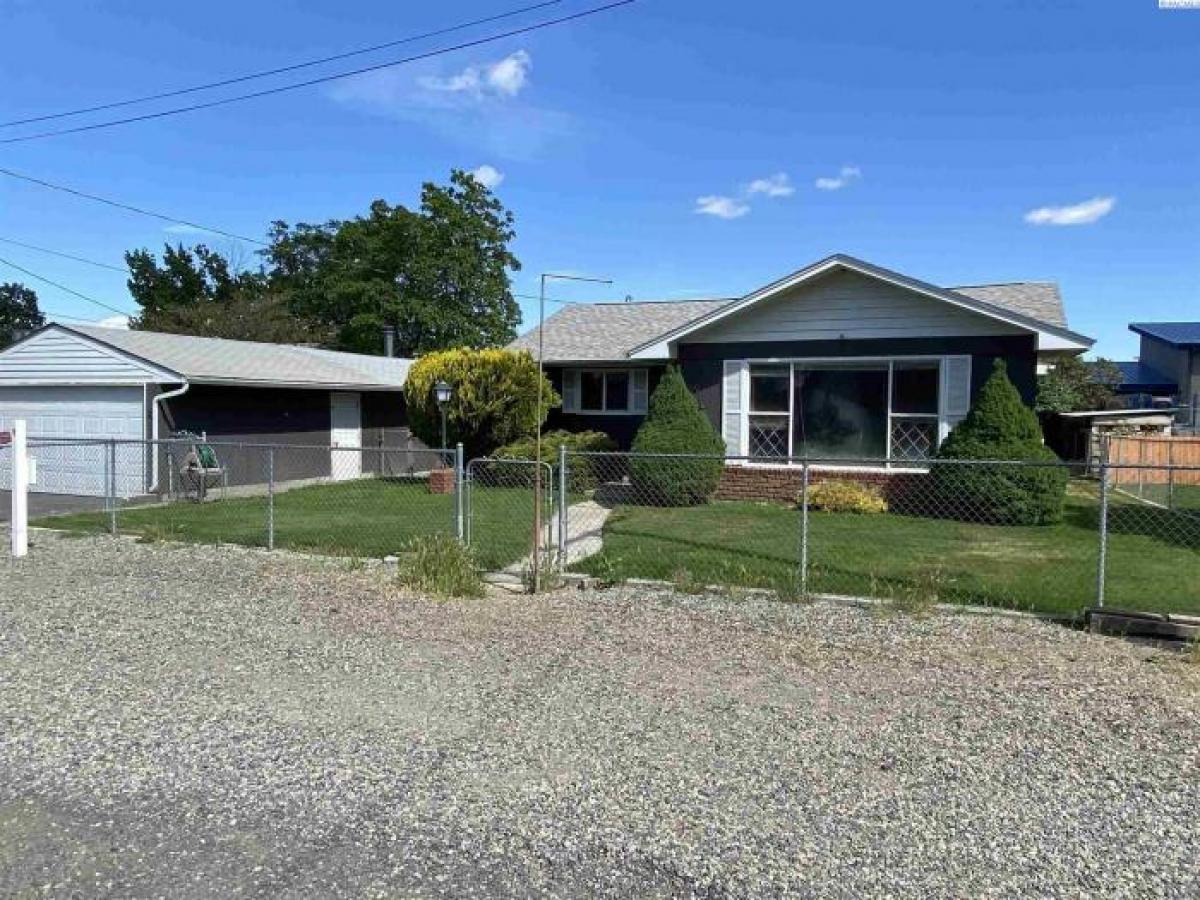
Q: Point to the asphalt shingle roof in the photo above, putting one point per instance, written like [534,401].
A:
[607,331]
[1037,299]
[1181,334]
[223,360]
[598,331]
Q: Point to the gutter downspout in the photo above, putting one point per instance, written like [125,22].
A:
[167,395]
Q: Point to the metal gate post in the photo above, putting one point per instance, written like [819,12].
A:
[562,508]
[112,486]
[270,498]
[804,532]
[1103,556]
[459,528]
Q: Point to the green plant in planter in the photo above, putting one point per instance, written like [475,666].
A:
[675,423]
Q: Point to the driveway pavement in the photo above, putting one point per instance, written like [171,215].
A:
[50,504]
[211,721]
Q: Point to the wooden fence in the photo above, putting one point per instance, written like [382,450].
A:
[1155,451]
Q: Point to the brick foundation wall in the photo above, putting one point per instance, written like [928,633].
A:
[784,484]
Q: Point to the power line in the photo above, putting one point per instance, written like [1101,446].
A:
[63,287]
[128,207]
[82,259]
[239,79]
[111,123]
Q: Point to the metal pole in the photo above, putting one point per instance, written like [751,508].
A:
[459,529]
[19,535]
[1102,563]
[442,410]
[804,532]
[270,498]
[562,508]
[1170,473]
[112,486]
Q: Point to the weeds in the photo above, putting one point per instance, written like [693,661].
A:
[686,582]
[154,533]
[442,565]
[548,578]
[920,596]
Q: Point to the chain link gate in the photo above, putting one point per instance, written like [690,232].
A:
[511,517]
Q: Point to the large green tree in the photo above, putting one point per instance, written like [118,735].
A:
[438,274]
[1075,386]
[18,311]
[200,291]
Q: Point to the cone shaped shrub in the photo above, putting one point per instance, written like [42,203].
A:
[675,423]
[999,427]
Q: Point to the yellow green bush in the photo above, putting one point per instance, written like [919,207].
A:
[494,399]
[846,497]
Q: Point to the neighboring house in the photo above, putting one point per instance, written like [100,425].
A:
[88,382]
[1168,364]
[842,359]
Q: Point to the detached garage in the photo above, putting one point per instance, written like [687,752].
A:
[88,383]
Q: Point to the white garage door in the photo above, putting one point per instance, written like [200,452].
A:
[78,413]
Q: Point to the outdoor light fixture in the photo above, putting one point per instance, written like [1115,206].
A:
[441,393]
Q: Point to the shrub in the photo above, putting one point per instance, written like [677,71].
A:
[999,427]
[675,423]
[494,400]
[584,472]
[846,497]
[440,564]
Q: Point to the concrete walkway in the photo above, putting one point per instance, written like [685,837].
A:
[585,535]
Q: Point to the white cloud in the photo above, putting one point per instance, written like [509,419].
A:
[488,176]
[114,322]
[721,207]
[184,229]
[844,177]
[1084,213]
[505,78]
[777,185]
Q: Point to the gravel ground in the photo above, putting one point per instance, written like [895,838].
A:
[216,721]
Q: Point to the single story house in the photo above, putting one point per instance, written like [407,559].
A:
[842,359]
[87,382]
[1167,369]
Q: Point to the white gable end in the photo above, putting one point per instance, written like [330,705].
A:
[60,357]
[847,304]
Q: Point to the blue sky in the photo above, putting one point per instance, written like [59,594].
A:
[675,147]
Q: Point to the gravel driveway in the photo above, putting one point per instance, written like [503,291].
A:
[223,722]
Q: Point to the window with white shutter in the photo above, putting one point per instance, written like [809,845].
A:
[734,386]
[956,391]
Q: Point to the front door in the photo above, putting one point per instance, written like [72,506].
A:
[345,430]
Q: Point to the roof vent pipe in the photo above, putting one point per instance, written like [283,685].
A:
[389,341]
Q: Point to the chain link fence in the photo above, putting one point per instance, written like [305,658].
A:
[946,531]
[983,533]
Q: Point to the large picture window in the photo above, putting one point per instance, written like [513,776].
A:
[872,410]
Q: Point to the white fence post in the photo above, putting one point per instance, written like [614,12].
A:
[20,490]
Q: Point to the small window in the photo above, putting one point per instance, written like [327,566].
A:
[591,390]
[915,388]
[769,389]
[616,391]
[606,390]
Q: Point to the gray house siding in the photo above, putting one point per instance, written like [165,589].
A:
[702,364]
[296,417]
[1180,364]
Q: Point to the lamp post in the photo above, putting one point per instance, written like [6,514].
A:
[537,466]
[441,393]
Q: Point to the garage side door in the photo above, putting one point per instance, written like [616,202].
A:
[66,413]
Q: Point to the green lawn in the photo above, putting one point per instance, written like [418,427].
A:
[1153,555]
[367,518]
